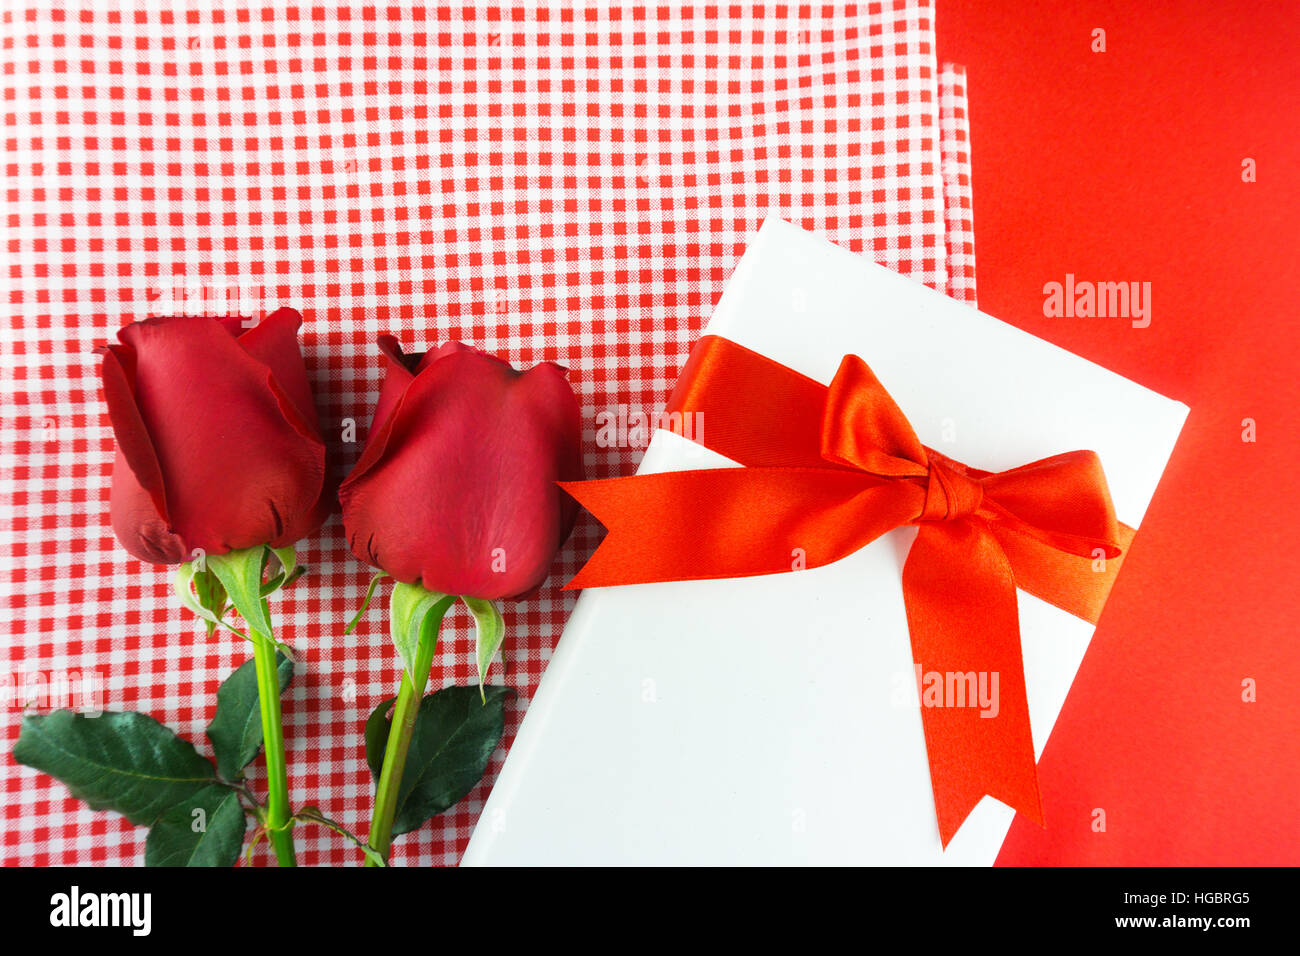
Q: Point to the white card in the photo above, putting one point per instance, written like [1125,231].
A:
[774,720]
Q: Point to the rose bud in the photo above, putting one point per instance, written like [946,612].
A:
[218,443]
[456,488]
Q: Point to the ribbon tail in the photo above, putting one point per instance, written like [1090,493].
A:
[961,610]
[1076,584]
[735,522]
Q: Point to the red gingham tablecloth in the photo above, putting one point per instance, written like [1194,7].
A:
[572,183]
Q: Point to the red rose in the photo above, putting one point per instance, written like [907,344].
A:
[218,444]
[456,488]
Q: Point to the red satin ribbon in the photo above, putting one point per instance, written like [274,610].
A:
[828,470]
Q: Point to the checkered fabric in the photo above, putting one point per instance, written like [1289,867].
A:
[550,182]
[954,146]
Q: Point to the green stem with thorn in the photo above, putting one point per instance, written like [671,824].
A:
[405,710]
[279,825]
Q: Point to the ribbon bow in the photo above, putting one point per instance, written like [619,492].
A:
[828,470]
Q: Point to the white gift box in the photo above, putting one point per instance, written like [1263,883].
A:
[774,719]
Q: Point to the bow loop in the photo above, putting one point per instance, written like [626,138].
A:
[862,427]
[1062,501]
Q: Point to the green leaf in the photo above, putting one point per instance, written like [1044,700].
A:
[288,559]
[126,762]
[205,829]
[453,741]
[212,597]
[370,593]
[408,609]
[288,573]
[377,725]
[205,603]
[491,630]
[240,573]
[236,728]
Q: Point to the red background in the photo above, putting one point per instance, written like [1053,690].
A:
[1126,165]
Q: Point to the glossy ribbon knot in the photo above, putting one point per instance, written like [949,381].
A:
[948,493]
[827,471]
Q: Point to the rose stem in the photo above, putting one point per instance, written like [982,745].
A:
[399,738]
[277,782]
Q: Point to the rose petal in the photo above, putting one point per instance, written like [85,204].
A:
[274,343]
[462,476]
[133,441]
[139,527]
[241,463]
[396,379]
